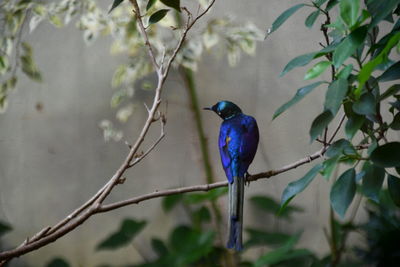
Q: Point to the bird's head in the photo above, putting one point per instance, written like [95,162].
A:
[225,109]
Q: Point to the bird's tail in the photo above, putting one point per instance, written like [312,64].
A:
[236,194]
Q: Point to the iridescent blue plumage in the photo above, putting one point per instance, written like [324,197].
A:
[238,140]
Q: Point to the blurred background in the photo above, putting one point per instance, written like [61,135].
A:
[54,156]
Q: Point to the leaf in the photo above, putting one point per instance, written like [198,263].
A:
[340,147]
[58,262]
[345,72]
[380,10]
[56,21]
[159,247]
[394,188]
[343,191]
[349,45]
[319,124]
[4,64]
[328,167]
[202,215]
[394,89]
[392,73]
[353,124]
[366,70]
[169,202]
[395,125]
[175,4]
[310,20]
[335,94]
[150,4]
[123,236]
[372,180]
[297,62]
[298,186]
[157,16]
[209,196]
[283,17]
[115,4]
[387,155]
[300,94]
[269,205]
[4,228]
[261,238]
[317,70]
[366,105]
[349,11]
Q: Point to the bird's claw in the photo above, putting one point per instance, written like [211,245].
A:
[246,181]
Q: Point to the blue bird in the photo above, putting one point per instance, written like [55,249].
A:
[238,140]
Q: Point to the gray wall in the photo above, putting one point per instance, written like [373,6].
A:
[53,160]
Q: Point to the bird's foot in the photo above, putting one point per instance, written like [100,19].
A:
[246,180]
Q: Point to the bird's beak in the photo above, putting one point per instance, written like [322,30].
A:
[207,108]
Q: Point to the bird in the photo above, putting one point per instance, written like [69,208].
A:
[238,141]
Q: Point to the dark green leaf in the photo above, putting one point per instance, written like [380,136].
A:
[343,191]
[335,94]
[372,180]
[380,10]
[175,4]
[169,202]
[394,89]
[366,70]
[392,73]
[4,228]
[349,46]
[209,196]
[353,124]
[297,62]
[317,70]
[345,72]
[366,105]
[123,236]
[319,2]
[395,125]
[202,215]
[270,205]
[331,4]
[58,262]
[387,155]
[150,4]
[319,124]
[262,238]
[394,188]
[349,11]
[298,186]
[300,94]
[284,16]
[159,247]
[328,167]
[157,16]
[115,4]
[310,20]
[340,147]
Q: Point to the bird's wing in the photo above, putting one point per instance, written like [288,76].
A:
[249,141]
[226,158]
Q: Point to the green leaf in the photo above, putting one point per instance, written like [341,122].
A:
[115,4]
[297,62]
[202,215]
[387,155]
[175,4]
[58,262]
[345,72]
[262,238]
[340,147]
[366,105]
[395,125]
[372,180]
[328,167]
[380,10]
[392,73]
[298,186]
[283,17]
[123,236]
[209,196]
[343,191]
[157,16]
[353,124]
[169,202]
[150,4]
[269,205]
[159,247]
[394,188]
[300,94]
[366,70]
[310,20]
[4,228]
[56,21]
[349,11]
[4,64]
[319,124]
[394,89]
[335,94]
[317,70]
[349,45]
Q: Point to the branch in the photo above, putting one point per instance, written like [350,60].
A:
[94,204]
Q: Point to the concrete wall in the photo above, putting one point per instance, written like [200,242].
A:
[54,159]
